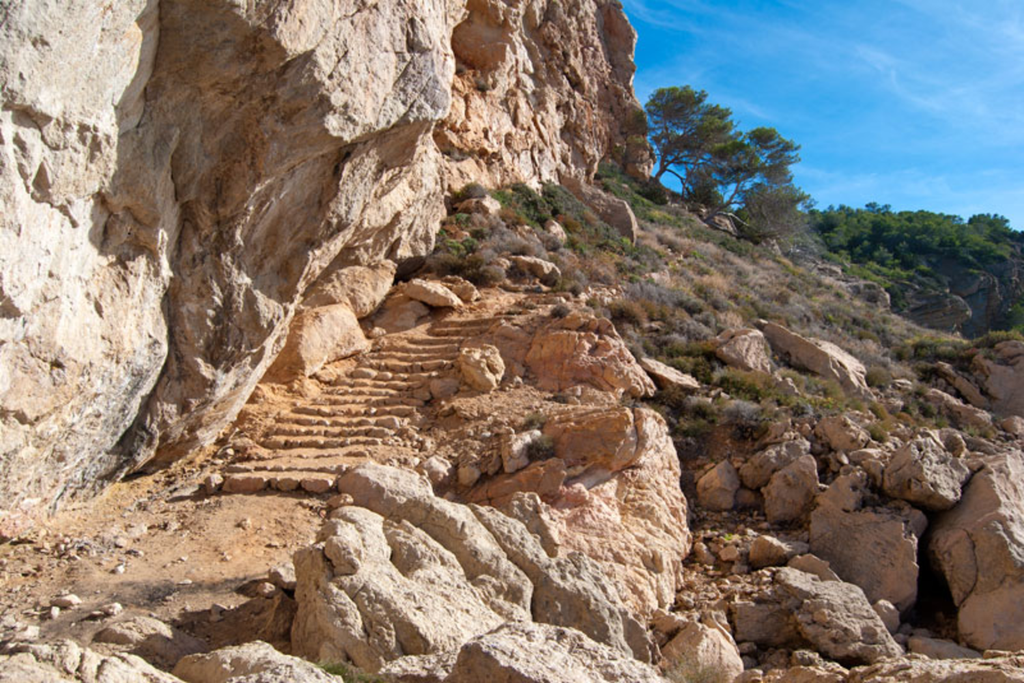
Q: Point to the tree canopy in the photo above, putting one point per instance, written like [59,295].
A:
[720,166]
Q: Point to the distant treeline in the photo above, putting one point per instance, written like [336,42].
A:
[901,244]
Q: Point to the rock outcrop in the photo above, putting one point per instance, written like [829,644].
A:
[178,176]
[979,548]
[403,572]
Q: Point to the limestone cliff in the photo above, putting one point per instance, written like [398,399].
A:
[175,174]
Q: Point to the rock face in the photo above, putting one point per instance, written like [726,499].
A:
[820,357]
[1003,377]
[178,175]
[979,547]
[402,572]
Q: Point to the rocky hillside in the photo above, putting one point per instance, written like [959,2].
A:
[379,374]
[178,175]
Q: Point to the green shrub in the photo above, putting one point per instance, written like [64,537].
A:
[541,448]
[534,421]
[878,377]
[349,673]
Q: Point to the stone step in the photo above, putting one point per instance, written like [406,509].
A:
[326,464]
[316,411]
[296,480]
[318,443]
[332,397]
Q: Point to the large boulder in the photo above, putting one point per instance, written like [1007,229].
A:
[923,473]
[432,294]
[540,653]
[875,548]
[481,368]
[703,646]
[255,662]
[716,490]
[979,548]
[403,572]
[580,349]
[758,470]
[791,491]
[835,618]
[820,357]
[668,377]
[745,349]
[632,521]
[318,336]
[67,662]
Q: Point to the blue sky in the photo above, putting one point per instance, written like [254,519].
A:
[914,103]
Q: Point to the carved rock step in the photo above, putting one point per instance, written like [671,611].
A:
[343,399]
[295,480]
[316,443]
[325,464]
[338,411]
[337,431]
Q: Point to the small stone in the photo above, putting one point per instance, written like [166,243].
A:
[889,615]
[66,601]
[213,483]
[244,523]
[54,612]
[729,553]
[112,609]
[468,475]
[340,500]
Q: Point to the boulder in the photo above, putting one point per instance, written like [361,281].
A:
[758,471]
[820,357]
[938,648]
[555,229]
[888,613]
[487,205]
[363,288]
[150,638]
[717,489]
[632,521]
[668,377]
[1013,425]
[318,336]
[874,548]
[433,294]
[400,313]
[540,653]
[956,410]
[255,662]
[67,662]
[545,271]
[923,473]
[791,491]
[701,647]
[767,551]
[745,349]
[841,433]
[601,438]
[964,386]
[402,572]
[979,548]
[579,349]
[835,618]
[481,368]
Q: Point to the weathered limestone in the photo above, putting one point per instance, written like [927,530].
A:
[758,471]
[745,349]
[668,377]
[67,662]
[433,294]
[481,368]
[317,337]
[841,433]
[363,288]
[255,662]
[181,178]
[579,349]
[979,547]
[1000,669]
[545,271]
[791,490]
[820,357]
[1003,377]
[704,646]
[921,472]
[717,489]
[402,572]
[874,548]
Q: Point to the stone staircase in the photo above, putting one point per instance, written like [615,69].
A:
[369,410]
